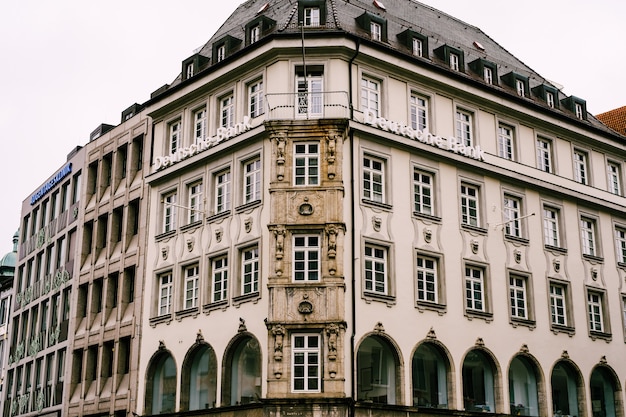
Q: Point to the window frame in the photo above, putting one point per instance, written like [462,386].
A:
[255,271]
[372,176]
[371,93]
[169,218]
[309,253]
[311,19]
[470,308]
[526,291]
[465,210]
[194,201]
[582,171]
[200,124]
[165,308]
[252,180]
[557,228]
[387,294]
[623,308]
[464,126]
[513,216]
[222,189]
[221,272]
[174,135]
[488,75]
[597,313]
[614,177]
[589,236]
[417,46]
[620,244]
[544,156]
[310,160]
[437,281]
[306,351]
[454,60]
[256,98]
[419,111]
[506,141]
[418,197]
[227,110]
[194,280]
[376,31]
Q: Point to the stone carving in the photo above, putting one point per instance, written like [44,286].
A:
[247,222]
[428,235]
[431,334]
[199,337]
[164,252]
[305,307]
[376,223]
[594,274]
[332,232]
[556,264]
[161,345]
[518,256]
[279,234]
[280,156]
[331,142]
[524,348]
[480,342]
[565,355]
[379,327]
[218,234]
[474,246]
[190,243]
[242,326]
[305,209]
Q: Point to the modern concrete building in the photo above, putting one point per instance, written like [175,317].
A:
[40,313]
[339,208]
[107,295]
[371,207]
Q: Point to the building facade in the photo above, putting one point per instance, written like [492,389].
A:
[338,208]
[358,207]
[7,275]
[40,314]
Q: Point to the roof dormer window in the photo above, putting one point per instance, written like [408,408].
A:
[194,64]
[519,86]
[485,69]
[453,57]
[578,109]
[416,42]
[221,53]
[312,13]
[418,47]
[548,94]
[189,70]
[375,25]
[577,106]
[488,75]
[255,33]
[518,82]
[224,47]
[550,99]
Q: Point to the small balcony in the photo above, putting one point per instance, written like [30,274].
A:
[308,105]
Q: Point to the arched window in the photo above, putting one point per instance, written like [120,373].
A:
[199,379]
[604,393]
[161,385]
[478,382]
[430,377]
[242,374]
[565,382]
[377,378]
[523,398]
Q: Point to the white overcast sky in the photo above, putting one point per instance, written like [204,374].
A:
[68,65]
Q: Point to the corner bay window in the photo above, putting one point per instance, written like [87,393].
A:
[306,256]
[306,364]
[306,161]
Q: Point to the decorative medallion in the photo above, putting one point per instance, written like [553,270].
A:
[248,224]
[305,307]
[242,325]
[518,255]
[379,327]
[480,342]
[594,274]
[428,234]
[474,245]
[164,252]
[431,334]
[556,264]
[218,234]
[305,209]
[190,243]
[376,223]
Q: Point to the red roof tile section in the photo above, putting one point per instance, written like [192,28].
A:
[615,119]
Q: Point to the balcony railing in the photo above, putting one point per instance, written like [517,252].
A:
[308,105]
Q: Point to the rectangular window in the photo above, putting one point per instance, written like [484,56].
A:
[306,258]
[252,181]
[310,96]
[512,216]
[419,112]
[375,31]
[200,127]
[174,136]
[470,205]
[624,312]
[581,169]
[595,311]
[418,47]
[250,271]
[517,297]
[519,86]
[488,75]
[189,71]
[427,284]
[370,96]
[255,33]
[614,172]
[306,361]
[558,305]
[620,244]
[551,228]
[195,202]
[222,191]
[311,16]
[454,62]
[255,99]
[5,305]
[221,53]
[578,109]
[227,111]
[474,288]
[588,236]
[464,127]
[376,269]
[306,163]
[423,192]
[165,293]
[169,212]
[544,154]
[191,286]
[550,99]
[219,268]
[505,142]
[373,179]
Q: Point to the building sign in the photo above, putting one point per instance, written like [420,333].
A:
[64,172]
[223,133]
[449,144]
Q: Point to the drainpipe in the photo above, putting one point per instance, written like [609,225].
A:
[352,237]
